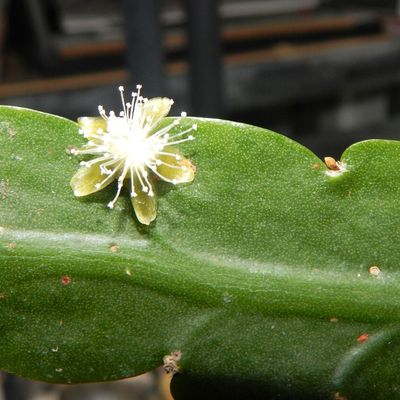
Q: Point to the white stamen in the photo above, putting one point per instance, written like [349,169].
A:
[130,147]
[159,162]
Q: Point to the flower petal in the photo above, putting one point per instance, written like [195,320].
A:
[91,125]
[85,180]
[145,206]
[156,109]
[175,170]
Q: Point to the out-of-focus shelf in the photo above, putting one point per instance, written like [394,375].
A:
[103,15]
[266,63]
[60,84]
[233,33]
[342,53]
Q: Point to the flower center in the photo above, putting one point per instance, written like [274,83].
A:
[131,149]
[130,142]
[139,151]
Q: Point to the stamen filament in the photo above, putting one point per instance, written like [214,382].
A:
[139,177]
[181,141]
[120,184]
[131,147]
[160,162]
[94,161]
[166,129]
[99,185]
[133,193]
[92,150]
[164,153]
[181,133]
[144,174]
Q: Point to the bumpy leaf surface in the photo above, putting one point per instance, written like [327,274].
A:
[258,271]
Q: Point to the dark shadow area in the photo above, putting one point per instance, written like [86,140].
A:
[200,388]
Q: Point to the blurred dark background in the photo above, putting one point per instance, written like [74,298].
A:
[324,72]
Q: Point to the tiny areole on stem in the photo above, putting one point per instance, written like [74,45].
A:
[134,149]
[335,168]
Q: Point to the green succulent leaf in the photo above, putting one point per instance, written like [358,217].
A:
[258,271]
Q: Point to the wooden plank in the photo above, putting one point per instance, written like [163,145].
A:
[91,49]
[279,53]
[176,40]
[287,51]
[50,85]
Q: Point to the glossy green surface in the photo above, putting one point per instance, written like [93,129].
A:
[258,271]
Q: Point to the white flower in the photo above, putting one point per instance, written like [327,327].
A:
[133,149]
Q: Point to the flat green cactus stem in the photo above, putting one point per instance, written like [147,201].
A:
[259,271]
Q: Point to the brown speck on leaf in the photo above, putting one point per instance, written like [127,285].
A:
[6,128]
[334,320]
[170,362]
[188,164]
[66,280]
[374,270]
[2,296]
[4,189]
[113,248]
[362,338]
[61,322]
[11,246]
[316,166]
[338,396]
[331,163]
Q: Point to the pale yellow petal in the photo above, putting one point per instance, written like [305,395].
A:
[85,180]
[176,171]
[145,206]
[91,125]
[156,109]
